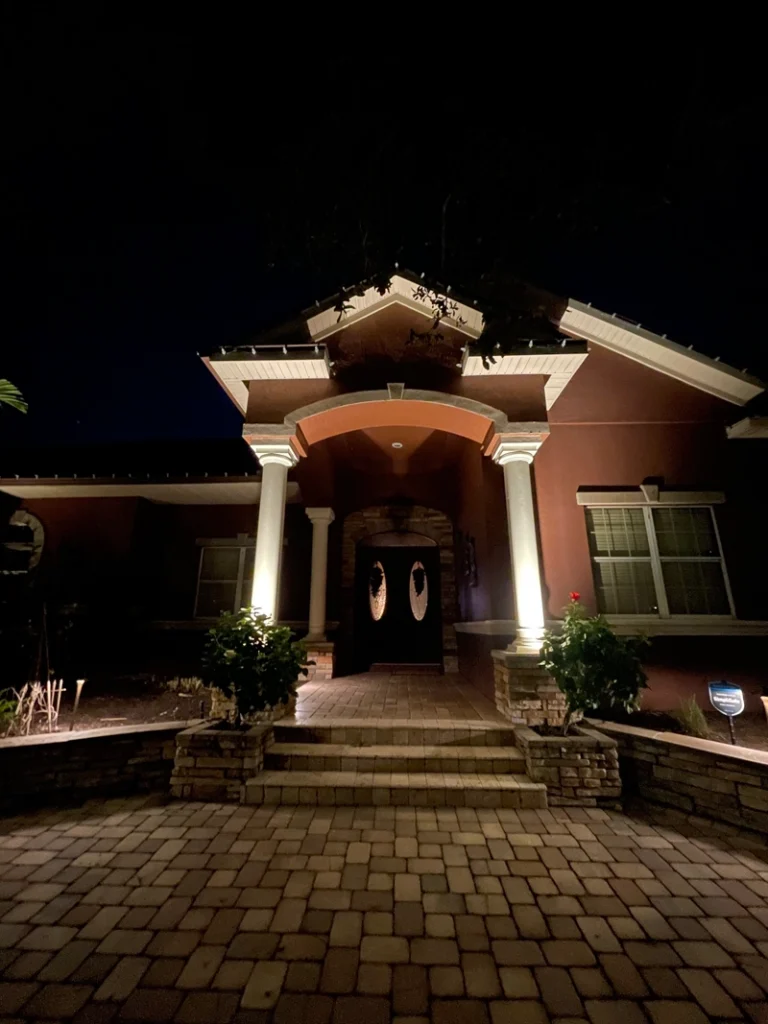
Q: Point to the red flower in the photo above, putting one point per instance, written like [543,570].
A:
[574,595]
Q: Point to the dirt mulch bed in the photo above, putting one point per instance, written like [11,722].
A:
[129,704]
[751,729]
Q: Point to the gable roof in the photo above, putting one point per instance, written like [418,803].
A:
[300,352]
[659,353]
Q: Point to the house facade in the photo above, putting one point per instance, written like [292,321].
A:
[425,481]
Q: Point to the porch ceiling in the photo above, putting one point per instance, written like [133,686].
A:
[371,450]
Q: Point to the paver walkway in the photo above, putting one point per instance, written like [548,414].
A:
[395,696]
[127,911]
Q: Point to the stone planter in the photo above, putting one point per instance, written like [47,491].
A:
[223,709]
[524,692]
[213,762]
[579,770]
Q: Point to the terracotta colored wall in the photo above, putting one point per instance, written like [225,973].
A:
[610,388]
[679,667]
[172,557]
[87,555]
[481,513]
[103,526]
[610,456]
[521,398]
[618,424]
[269,401]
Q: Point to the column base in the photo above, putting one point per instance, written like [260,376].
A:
[527,640]
[524,692]
[322,653]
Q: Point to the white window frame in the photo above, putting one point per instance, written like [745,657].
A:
[657,560]
[241,543]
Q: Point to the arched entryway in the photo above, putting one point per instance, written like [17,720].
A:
[398,537]
[419,427]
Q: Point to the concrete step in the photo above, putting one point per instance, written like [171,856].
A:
[401,733]
[382,789]
[339,757]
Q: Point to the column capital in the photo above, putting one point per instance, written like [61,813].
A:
[320,515]
[276,453]
[523,450]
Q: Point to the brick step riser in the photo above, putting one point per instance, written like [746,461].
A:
[384,797]
[368,736]
[316,762]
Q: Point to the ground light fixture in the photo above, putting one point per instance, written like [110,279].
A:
[397,444]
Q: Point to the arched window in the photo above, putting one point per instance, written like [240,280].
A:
[419,591]
[377,591]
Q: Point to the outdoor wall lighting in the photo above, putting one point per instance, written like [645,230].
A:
[397,444]
[80,685]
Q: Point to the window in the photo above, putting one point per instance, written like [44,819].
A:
[224,579]
[377,591]
[418,591]
[657,561]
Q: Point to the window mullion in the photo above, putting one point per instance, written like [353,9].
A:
[721,559]
[658,575]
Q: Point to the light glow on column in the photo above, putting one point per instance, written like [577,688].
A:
[516,458]
[276,459]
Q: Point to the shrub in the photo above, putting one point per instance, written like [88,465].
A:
[692,718]
[593,666]
[8,710]
[252,660]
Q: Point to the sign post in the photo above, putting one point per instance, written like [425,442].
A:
[728,700]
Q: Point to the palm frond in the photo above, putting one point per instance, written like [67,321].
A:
[10,395]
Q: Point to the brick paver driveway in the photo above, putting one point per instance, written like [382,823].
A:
[127,911]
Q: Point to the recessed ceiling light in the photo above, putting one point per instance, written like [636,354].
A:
[397,444]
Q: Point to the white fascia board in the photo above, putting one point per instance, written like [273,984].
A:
[233,374]
[467,320]
[661,354]
[198,492]
[751,427]
[559,367]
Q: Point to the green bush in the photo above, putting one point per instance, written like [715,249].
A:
[8,707]
[692,718]
[253,660]
[593,666]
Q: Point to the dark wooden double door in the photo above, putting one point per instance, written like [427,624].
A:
[397,606]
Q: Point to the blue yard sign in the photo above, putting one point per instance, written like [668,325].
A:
[728,700]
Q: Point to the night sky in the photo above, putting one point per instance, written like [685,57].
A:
[167,192]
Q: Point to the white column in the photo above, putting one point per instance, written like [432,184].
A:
[276,459]
[321,519]
[516,458]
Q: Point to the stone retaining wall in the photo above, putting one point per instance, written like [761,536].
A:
[698,777]
[579,770]
[70,766]
[524,692]
[212,763]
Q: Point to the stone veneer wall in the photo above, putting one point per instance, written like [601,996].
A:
[70,766]
[698,777]
[212,763]
[322,655]
[524,693]
[579,770]
[429,522]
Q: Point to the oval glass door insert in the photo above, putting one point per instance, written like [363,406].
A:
[419,591]
[377,591]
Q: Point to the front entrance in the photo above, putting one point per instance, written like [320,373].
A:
[397,606]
